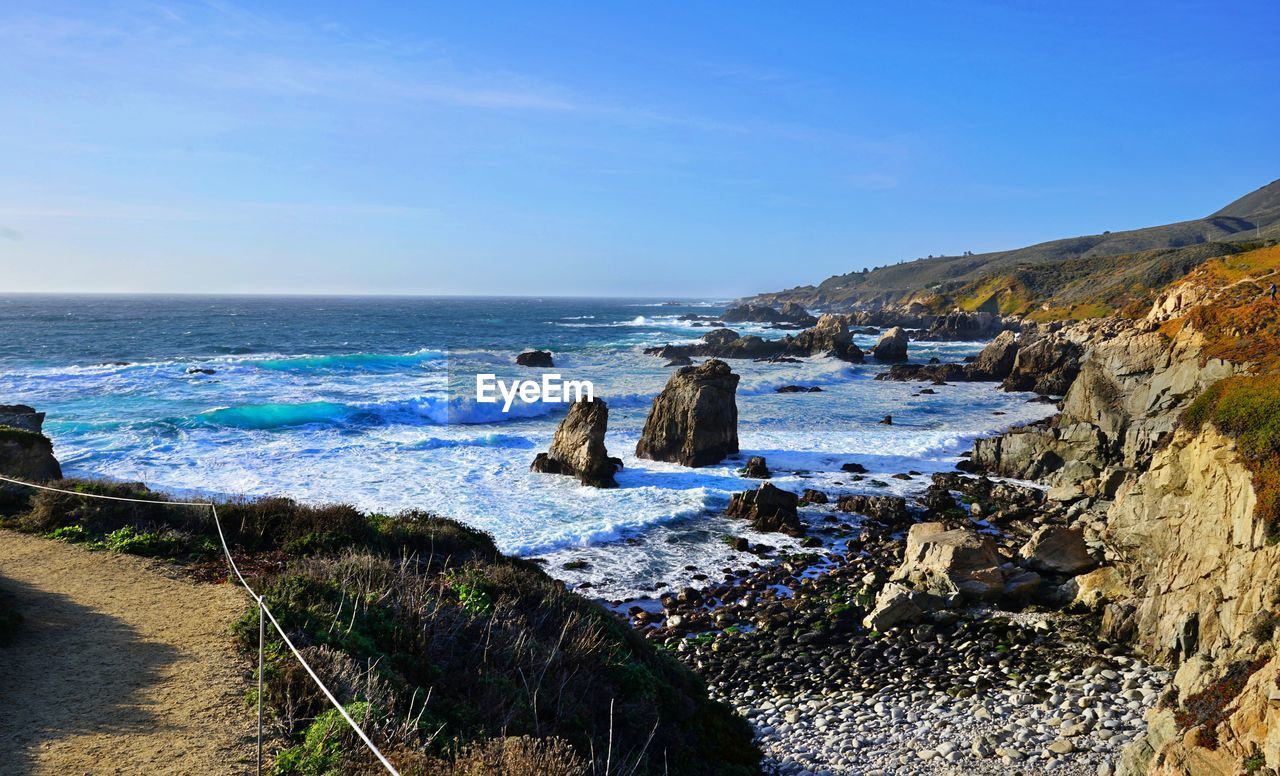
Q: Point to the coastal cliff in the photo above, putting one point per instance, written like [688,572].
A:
[1166,448]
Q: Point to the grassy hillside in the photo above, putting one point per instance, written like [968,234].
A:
[1138,257]
[458,659]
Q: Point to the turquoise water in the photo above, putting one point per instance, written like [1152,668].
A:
[358,400]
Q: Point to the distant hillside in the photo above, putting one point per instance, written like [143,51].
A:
[1042,277]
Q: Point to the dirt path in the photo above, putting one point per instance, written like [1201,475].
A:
[118,667]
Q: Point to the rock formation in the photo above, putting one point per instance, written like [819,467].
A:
[1057,550]
[578,447]
[756,468]
[540,358]
[694,421]
[996,360]
[1048,364]
[25,452]
[957,561]
[830,336]
[790,313]
[892,345]
[769,509]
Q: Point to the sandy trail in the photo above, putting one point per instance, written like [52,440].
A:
[119,667]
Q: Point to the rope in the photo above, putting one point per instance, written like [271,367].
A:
[262,604]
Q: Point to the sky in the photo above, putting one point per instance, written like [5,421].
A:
[620,149]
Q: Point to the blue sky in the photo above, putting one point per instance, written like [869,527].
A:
[699,149]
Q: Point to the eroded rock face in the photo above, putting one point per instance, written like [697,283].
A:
[578,446]
[26,454]
[941,561]
[694,421]
[1204,578]
[892,345]
[1048,365]
[21,417]
[962,325]
[757,468]
[769,509]
[540,358]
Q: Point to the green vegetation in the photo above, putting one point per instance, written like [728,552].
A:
[22,437]
[457,657]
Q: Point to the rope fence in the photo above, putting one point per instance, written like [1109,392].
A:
[263,609]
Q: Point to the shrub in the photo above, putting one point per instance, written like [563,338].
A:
[1208,708]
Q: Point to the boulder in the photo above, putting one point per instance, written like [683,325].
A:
[941,561]
[694,421]
[768,508]
[1021,586]
[892,345]
[995,362]
[1057,550]
[813,496]
[756,468]
[540,358]
[578,446]
[899,605]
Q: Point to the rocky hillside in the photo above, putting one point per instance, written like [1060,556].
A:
[1167,450]
[1077,277]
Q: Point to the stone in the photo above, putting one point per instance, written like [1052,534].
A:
[829,336]
[890,510]
[578,448]
[944,561]
[694,420]
[897,605]
[1096,588]
[538,358]
[28,455]
[996,360]
[892,345]
[1047,365]
[756,468]
[1057,550]
[769,509]
[812,496]
[21,417]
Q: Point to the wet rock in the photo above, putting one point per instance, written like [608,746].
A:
[853,468]
[812,496]
[830,336]
[769,509]
[578,446]
[890,510]
[538,358]
[799,389]
[756,468]
[694,421]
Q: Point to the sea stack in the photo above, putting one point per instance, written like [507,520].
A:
[694,421]
[578,448]
[892,345]
[25,452]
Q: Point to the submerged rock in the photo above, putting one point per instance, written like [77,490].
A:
[540,358]
[694,421]
[768,508]
[578,447]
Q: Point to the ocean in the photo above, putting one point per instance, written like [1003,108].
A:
[350,400]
